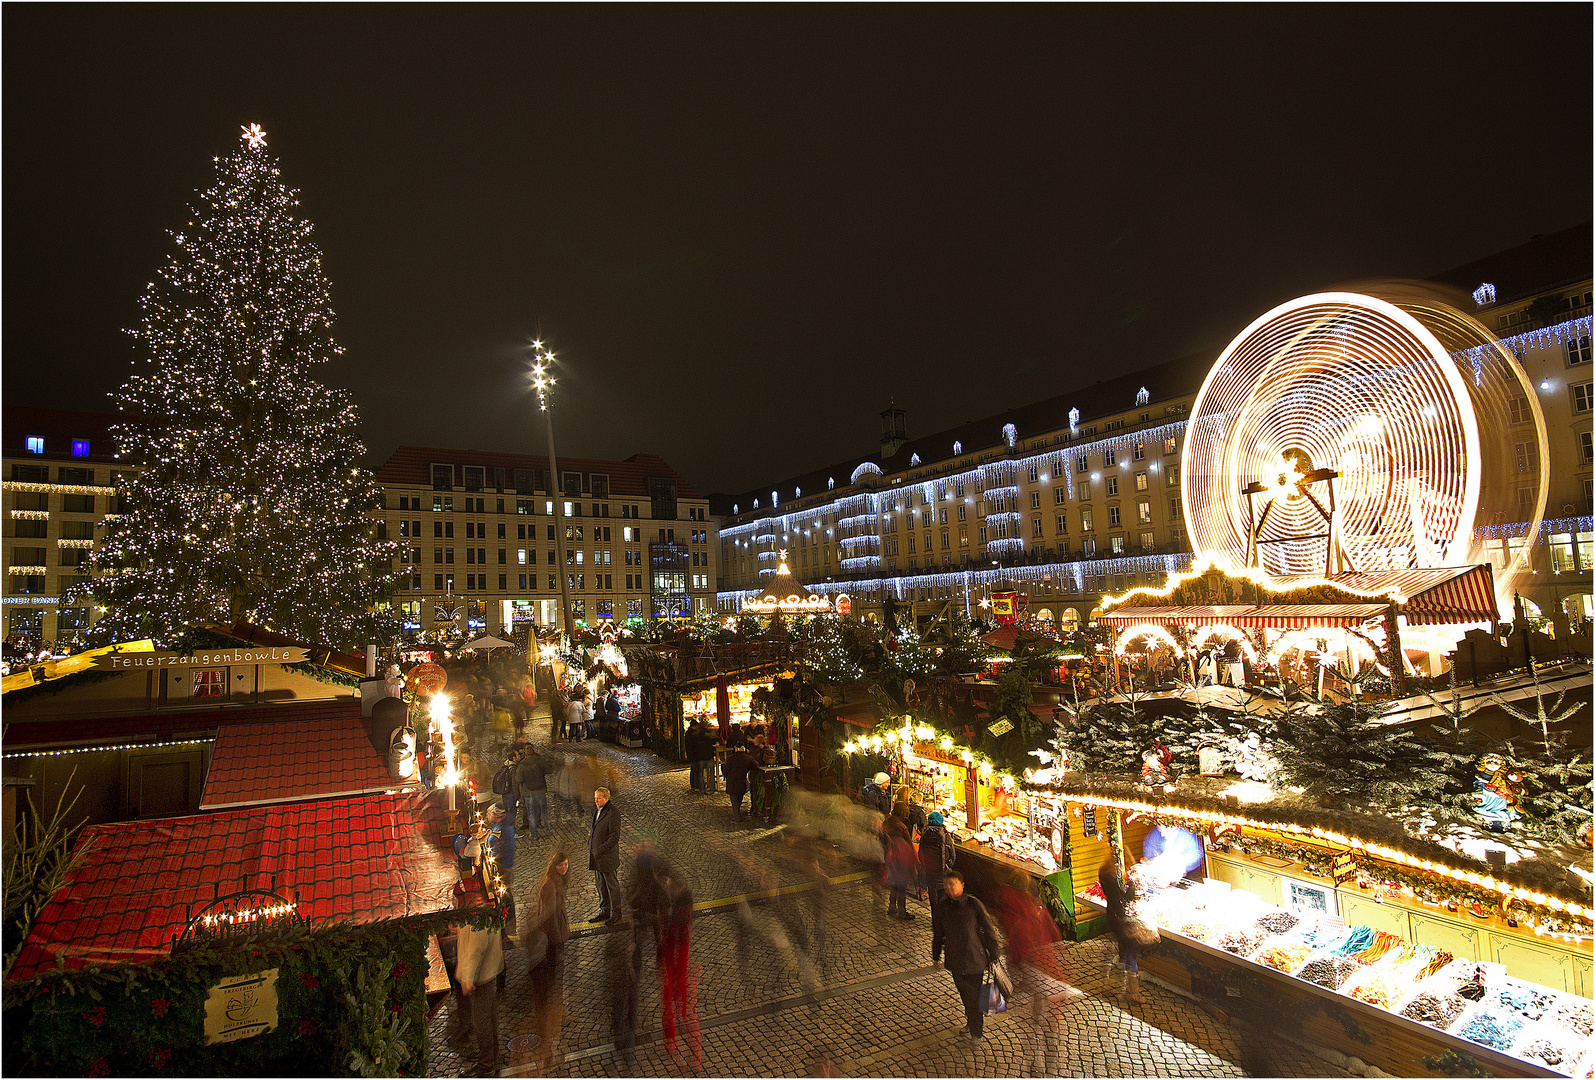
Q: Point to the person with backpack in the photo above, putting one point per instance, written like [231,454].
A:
[901,869]
[970,943]
[531,777]
[505,785]
[936,855]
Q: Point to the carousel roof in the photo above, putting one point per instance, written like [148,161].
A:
[785,596]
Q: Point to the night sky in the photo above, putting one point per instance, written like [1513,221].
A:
[743,228]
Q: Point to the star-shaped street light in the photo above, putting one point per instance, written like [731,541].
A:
[255,136]
[542,360]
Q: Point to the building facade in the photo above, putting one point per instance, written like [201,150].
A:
[476,536]
[60,473]
[1078,496]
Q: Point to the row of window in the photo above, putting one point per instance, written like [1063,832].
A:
[663,583]
[80,447]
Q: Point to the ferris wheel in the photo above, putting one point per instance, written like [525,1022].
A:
[1353,431]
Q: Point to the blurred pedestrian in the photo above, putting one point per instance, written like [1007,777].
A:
[678,991]
[501,837]
[1119,892]
[603,856]
[1032,936]
[737,767]
[970,943]
[550,932]
[531,780]
[901,869]
[479,960]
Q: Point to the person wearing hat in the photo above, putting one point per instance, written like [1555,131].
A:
[501,836]
[936,855]
[875,794]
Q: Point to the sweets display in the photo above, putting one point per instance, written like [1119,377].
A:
[1522,999]
[1575,1015]
[1436,1010]
[1381,988]
[1490,1029]
[1242,942]
[1328,971]
[1557,1050]
[1284,956]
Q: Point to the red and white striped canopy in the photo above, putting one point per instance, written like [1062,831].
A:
[1438,596]
[1248,616]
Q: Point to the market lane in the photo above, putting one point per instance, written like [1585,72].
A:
[872,1006]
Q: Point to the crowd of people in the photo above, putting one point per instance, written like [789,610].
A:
[543,790]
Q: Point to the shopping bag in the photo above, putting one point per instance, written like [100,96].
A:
[999,975]
[1142,933]
[991,998]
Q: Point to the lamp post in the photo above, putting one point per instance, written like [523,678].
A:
[542,359]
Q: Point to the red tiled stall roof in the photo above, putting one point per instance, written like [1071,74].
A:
[357,861]
[293,760]
[115,730]
[627,479]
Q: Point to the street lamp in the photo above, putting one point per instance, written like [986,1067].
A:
[542,382]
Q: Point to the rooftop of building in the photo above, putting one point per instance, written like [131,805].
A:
[60,429]
[1539,265]
[627,479]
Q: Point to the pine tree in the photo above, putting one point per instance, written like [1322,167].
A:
[1341,754]
[1110,732]
[248,502]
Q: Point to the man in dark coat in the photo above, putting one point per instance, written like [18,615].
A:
[603,856]
[737,767]
[692,745]
[531,777]
[970,943]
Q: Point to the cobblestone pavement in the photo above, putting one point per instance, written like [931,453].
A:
[868,1004]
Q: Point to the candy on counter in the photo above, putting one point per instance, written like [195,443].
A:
[1523,1000]
[1200,930]
[1491,1029]
[1437,1010]
[1242,942]
[1555,1050]
[1576,1016]
[1284,956]
[1358,939]
[1328,971]
[1277,922]
[1381,988]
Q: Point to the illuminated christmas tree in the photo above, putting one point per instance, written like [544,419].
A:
[248,502]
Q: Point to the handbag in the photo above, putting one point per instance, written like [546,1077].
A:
[1141,933]
[991,998]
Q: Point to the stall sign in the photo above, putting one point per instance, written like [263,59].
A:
[1344,868]
[1001,727]
[427,678]
[248,654]
[1090,821]
[240,1006]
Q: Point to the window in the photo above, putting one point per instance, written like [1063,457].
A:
[1113,485]
[1577,352]
[207,683]
[1517,411]
[1171,476]
[75,475]
[77,504]
[1063,524]
[1139,453]
[1148,542]
[570,483]
[448,556]
[1109,457]
[1526,455]
[1140,481]
[1118,545]
[1174,510]
[475,478]
[1144,512]
[442,479]
[1085,521]
[35,444]
[1171,446]
[525,506]
[1035,500]
[1586,448]
[1113,517]
[1034,472]
[1082,464]
[1085,491]
[1035,527]
[598,485]
[502,557]
[80,448]
[38,530]
[1583,397]
[1059,496]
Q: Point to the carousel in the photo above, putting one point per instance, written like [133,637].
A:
[784,595]
[1343,456]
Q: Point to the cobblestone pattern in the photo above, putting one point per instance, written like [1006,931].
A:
[870,1005]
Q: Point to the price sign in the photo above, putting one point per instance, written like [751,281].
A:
[1001,727]
[1344,868]
[1090,821]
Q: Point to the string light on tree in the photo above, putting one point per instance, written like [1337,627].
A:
[248,502]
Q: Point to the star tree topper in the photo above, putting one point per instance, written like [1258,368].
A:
[255,136]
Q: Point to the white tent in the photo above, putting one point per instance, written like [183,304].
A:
[488,643]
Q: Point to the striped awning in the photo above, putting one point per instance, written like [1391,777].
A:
[1437,596]
[1248,616]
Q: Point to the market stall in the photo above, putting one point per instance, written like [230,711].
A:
[1366,949]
